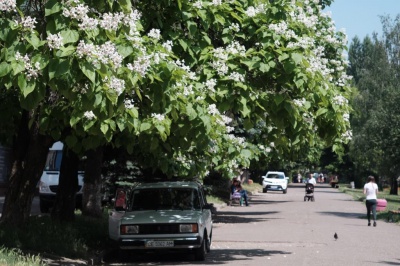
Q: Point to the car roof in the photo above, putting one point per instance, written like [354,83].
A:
[169,184]
[275,172]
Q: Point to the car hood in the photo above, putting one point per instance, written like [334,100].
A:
[161,216]
[274,181]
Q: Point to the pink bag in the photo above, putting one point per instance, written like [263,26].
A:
[381,205]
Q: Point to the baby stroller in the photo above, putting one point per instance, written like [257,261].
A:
[309,192]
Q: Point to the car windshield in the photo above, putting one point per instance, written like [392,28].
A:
[165,199]
[276,176]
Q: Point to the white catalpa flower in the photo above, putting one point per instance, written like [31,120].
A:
[54,41]
[159,117]
[89,115]
[8,5]
[155,34]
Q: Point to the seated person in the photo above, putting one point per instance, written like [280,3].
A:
[242,192]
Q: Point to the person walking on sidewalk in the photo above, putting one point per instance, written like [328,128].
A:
[371,190]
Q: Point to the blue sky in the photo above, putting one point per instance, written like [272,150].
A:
[361,17]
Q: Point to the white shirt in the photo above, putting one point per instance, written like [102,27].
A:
[312,181]
[370,190]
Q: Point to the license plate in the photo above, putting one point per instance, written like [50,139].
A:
[159,244]
[274,186]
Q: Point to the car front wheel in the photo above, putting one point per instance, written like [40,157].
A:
[200,253]
[284,191]
[44,207]
[208,245]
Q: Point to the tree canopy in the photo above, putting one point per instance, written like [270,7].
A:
[186,86]
[374,65]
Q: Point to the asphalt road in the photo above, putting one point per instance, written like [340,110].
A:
[282,229]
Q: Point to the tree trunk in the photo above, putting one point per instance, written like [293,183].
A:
[393,186]
[29,154]
[91,204]
[64,205]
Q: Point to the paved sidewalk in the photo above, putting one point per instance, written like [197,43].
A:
[282,229]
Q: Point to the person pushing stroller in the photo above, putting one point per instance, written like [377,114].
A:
[310,188]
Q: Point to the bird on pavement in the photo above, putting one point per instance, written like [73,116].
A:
[335,236]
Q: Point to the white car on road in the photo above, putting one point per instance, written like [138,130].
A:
[275,181]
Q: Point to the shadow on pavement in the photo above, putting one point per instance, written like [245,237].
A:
[390,262]
[343,214]
[267,202]
[216,256]
[238,218]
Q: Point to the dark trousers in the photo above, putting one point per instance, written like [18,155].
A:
[371,205]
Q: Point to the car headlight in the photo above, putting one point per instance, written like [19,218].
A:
[188,228]
[129,229]
[44,187]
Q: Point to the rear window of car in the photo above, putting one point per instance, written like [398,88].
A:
[165,199]
[276,176]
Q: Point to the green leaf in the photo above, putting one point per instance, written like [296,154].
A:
[104,128]
[125,50]
[5,68]
[17,67]
[279,99]
[145,126]
[69,36]
[88,70]
[126,5]
[192,26]
[112,95]
[191,112]
[74,120]
[52,7]
[220,19]
[245,110]
[34,40]
[264,67]
[65,51]
[283,57]
[180,4]
[321,111]
[30,87]
[121,125]
[62,68]
[297,58]
[22,83]
[246,153]
[183,44]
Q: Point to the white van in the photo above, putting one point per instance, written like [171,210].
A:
[48,184]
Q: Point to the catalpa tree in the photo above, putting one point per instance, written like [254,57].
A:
[276,67]
[90,75]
